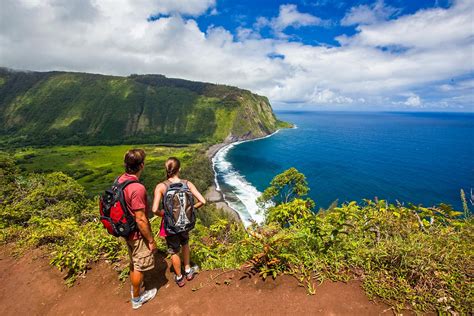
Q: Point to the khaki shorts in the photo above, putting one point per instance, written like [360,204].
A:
[141,258]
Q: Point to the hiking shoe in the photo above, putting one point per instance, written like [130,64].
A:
[142,299]
[180,282]
[190,274]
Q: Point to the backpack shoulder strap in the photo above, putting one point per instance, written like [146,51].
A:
[116,180]
[185,183]
[124,184]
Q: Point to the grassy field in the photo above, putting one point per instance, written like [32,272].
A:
[95,167]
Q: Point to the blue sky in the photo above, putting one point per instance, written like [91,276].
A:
[234,14]
[315,55]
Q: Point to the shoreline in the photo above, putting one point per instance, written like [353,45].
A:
[213,194]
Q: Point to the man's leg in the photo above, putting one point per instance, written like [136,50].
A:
[136,278]
[140,260]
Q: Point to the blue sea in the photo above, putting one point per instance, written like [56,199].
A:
[422,158]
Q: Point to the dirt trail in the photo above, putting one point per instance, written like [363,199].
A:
[30,286]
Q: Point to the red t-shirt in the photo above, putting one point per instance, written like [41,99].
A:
[135,197]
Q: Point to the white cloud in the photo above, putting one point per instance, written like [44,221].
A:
[365,14]
[327,96]
[413,100]
[432,28]
[188,7]
[244,33]
[288,16]
[425,49]
[458,86]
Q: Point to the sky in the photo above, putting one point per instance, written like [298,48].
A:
[302,55]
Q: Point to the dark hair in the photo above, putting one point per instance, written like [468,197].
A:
[133,160]
[172,166]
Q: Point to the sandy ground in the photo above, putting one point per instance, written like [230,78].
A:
[211,151]
[30,286]
[215,197]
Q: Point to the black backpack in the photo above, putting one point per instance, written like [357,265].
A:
[178,203]
[114,214]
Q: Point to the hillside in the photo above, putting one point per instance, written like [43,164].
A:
[45,108]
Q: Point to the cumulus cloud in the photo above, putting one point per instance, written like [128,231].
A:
[288,16]
[381,62]
[413,100]
[188,7]
[431,28]
[369,14]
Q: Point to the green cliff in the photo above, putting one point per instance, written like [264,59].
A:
[45,108]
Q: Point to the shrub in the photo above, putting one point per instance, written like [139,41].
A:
[218,246]
[410,256]
[53,195]
[8,171]
[88,244]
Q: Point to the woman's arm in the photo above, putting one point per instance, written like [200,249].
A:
[157,199]
[197,195]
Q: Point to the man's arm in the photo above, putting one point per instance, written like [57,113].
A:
[145,228]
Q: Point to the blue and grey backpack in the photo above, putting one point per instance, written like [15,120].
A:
[178,203]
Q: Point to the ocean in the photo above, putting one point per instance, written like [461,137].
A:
[422,158]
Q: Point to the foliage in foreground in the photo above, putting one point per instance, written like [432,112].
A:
[410,256]
[53,210]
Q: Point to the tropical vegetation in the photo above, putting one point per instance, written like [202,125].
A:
[66,108]
[406,255]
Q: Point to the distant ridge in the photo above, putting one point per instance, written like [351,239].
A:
[49,108]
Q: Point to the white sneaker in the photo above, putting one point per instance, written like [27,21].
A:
[142,299]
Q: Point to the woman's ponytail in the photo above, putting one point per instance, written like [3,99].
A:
[172,166]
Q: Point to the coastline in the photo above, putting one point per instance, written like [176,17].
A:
[216,197]
[214,194]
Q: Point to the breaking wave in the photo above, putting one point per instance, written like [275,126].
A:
[238,193]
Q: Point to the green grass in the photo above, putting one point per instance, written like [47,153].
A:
[95,167]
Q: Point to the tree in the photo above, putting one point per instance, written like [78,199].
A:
[287,214]
[284,188]
[283,201]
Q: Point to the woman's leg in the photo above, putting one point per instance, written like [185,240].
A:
[186,254]
[176,261]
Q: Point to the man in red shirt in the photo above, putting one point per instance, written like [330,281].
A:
[141,244]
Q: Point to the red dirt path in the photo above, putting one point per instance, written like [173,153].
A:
[30,286]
